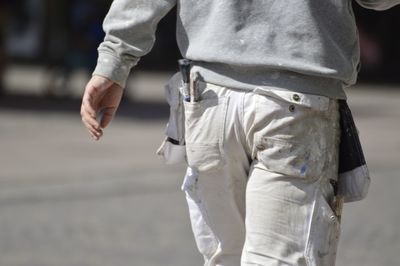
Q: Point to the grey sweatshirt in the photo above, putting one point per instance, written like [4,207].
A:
[308,46]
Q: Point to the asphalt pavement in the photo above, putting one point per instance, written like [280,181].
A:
[66,200]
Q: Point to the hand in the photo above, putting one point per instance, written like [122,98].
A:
[101,96]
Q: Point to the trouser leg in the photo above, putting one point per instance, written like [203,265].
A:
[289,220]
[215,182]
[217,218]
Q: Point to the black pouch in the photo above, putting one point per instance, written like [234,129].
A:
[354,179]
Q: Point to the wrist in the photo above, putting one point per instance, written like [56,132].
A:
[113,68]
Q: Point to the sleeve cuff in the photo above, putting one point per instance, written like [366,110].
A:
[378,5]
[114,68]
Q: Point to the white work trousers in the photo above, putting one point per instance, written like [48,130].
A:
[258,182]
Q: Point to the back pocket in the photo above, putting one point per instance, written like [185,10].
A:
[296,134]
[297,158]
[204,130]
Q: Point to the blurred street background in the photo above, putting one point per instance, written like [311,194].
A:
[66,200]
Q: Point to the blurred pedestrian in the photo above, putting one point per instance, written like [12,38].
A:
[261,117]
[71,49]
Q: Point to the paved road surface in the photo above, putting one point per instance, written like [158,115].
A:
[68,201]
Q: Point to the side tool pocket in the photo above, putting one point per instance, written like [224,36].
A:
[172,149]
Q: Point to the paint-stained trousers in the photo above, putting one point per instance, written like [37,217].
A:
[258,182]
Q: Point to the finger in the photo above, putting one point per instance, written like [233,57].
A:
[85,114]
[94,135]
[97,137]
[108,115]
[93,130]
[88,105]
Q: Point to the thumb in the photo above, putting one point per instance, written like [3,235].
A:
[108,115]
[110,104]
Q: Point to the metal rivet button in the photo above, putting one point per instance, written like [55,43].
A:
[296,97]
[291,108]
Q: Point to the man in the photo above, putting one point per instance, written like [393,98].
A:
[262,139]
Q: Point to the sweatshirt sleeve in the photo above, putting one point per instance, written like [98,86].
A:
[378,4]
[129,27]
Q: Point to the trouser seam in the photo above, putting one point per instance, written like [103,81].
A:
[243,136]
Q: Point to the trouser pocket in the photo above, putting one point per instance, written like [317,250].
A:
[204,129]
[323,237]
[296,134]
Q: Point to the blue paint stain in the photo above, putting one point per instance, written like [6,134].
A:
[303,169]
